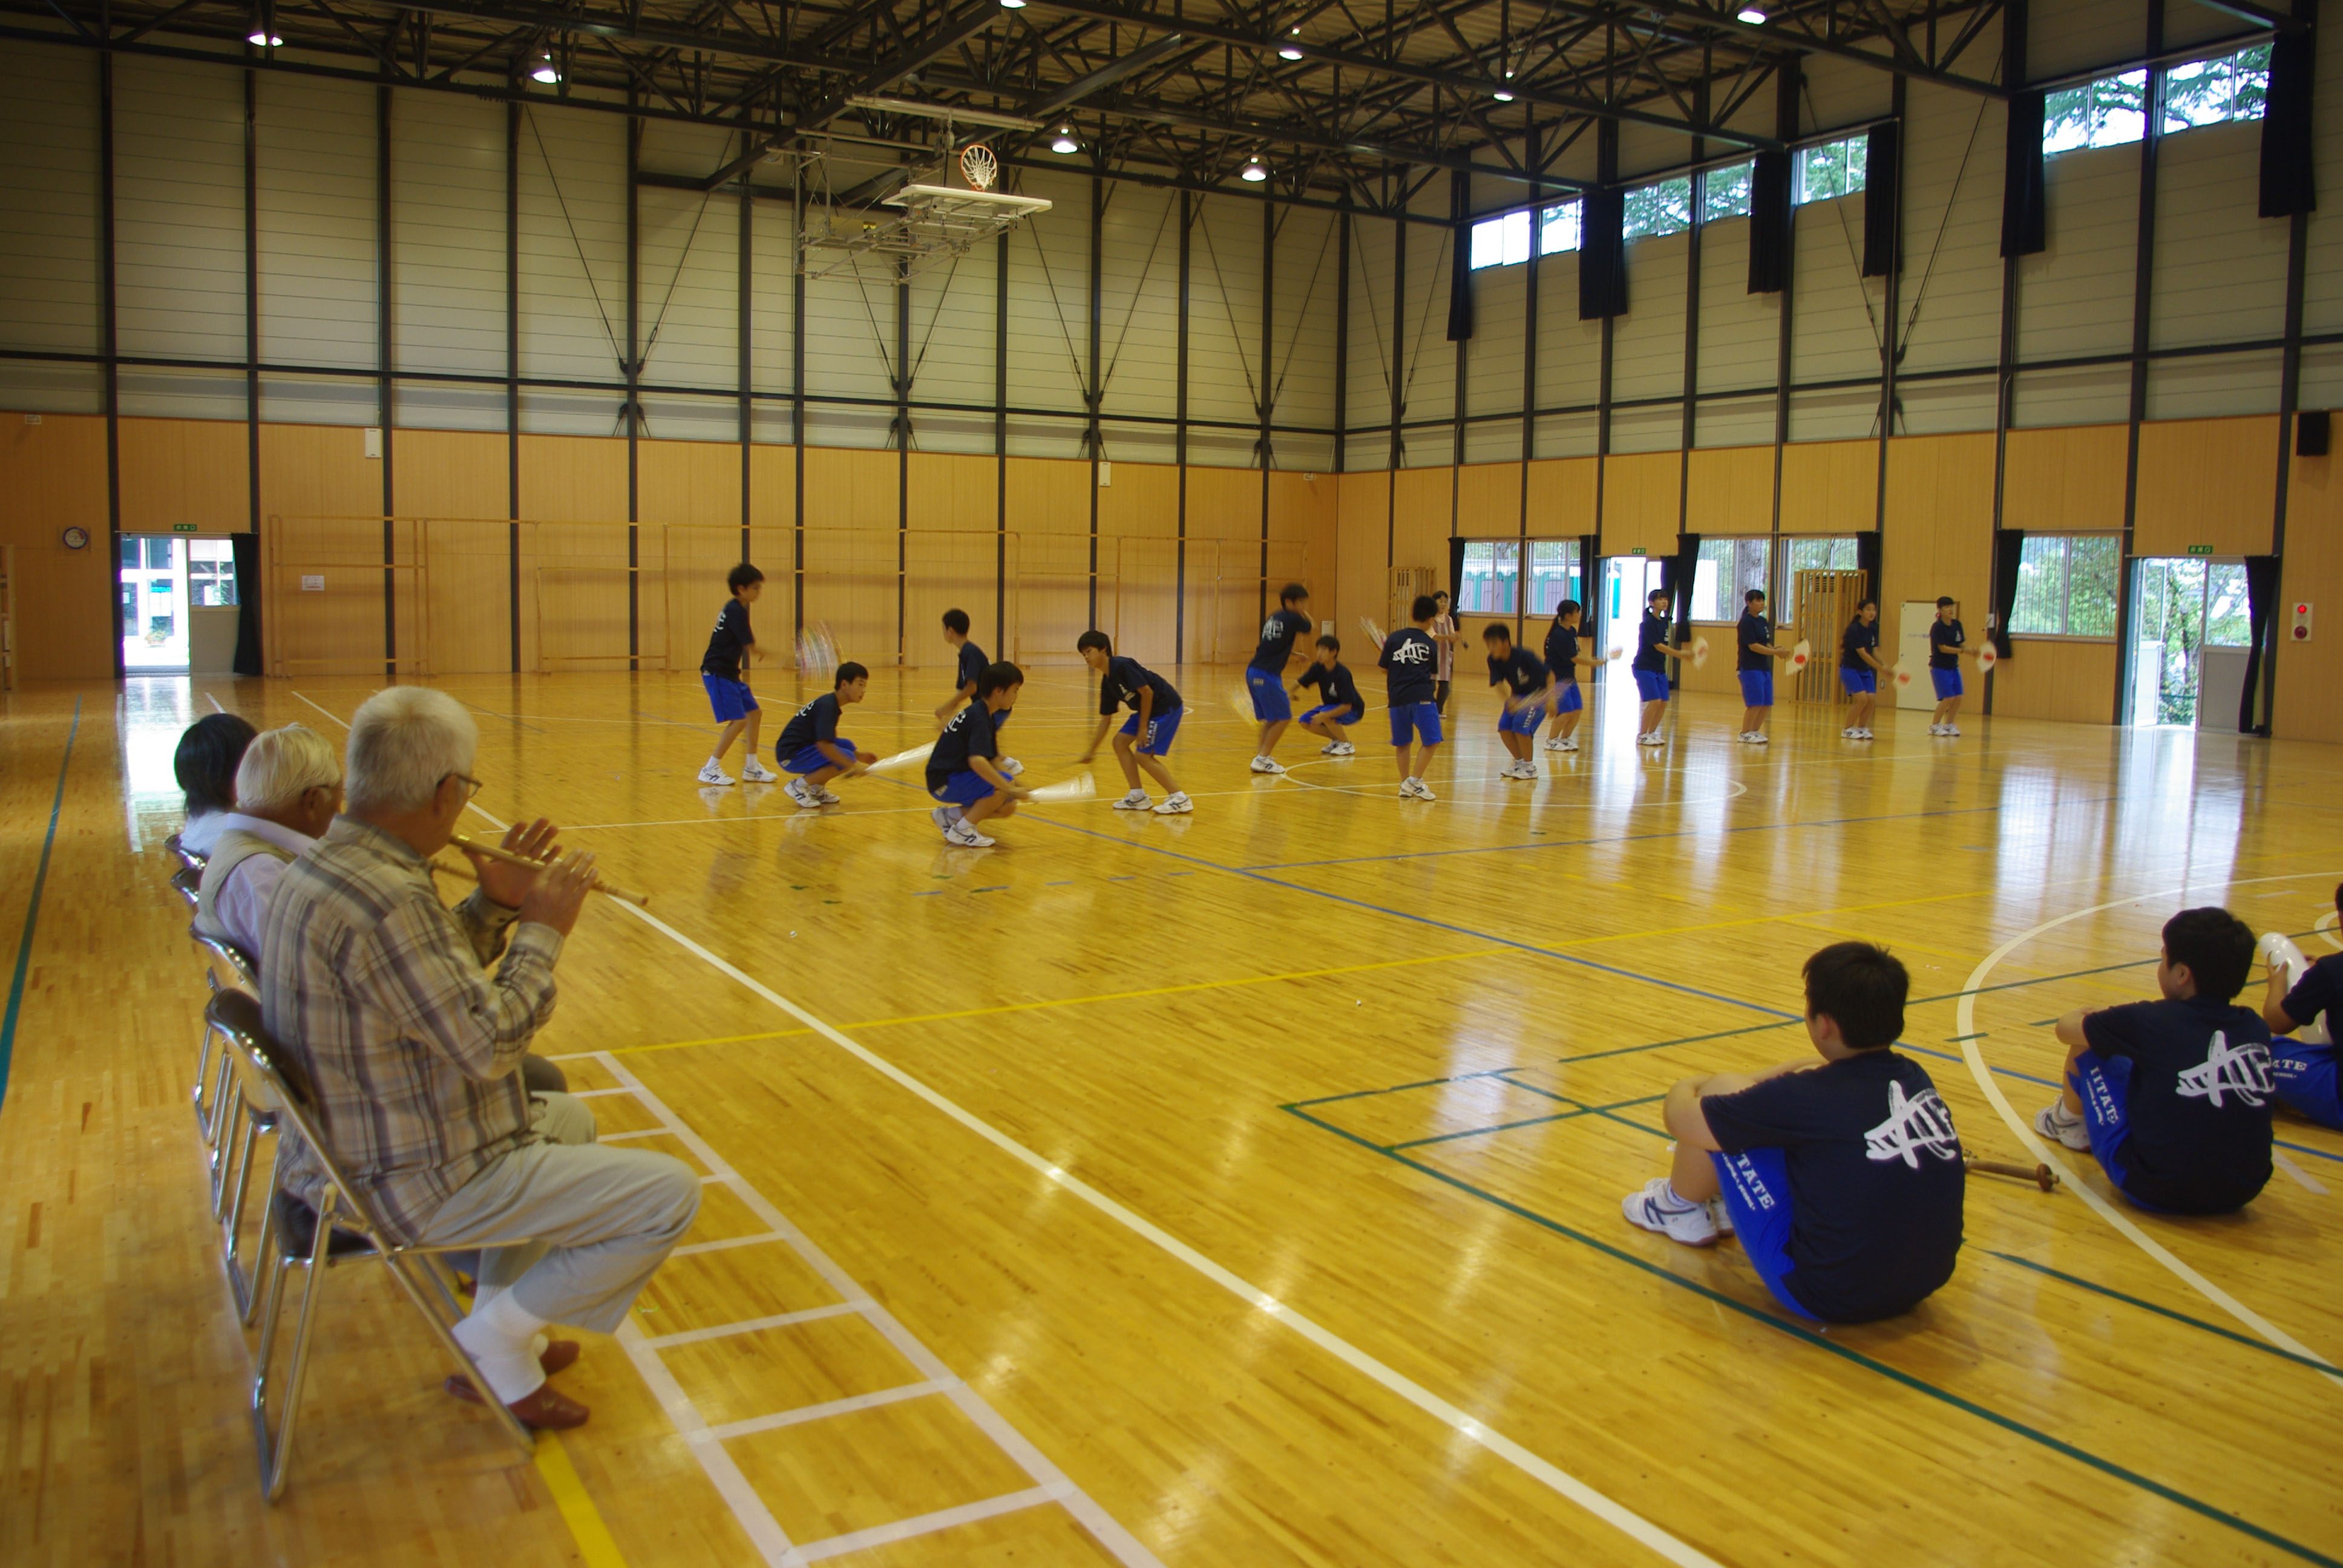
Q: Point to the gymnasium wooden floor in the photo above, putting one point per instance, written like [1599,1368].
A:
[1240,1188]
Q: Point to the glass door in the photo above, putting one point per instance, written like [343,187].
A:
[1626,580]
[152,577]
[2189,632]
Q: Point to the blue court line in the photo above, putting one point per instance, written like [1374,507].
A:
[2246,1340]
[1870,1364]
[32,912]
[2306,1148]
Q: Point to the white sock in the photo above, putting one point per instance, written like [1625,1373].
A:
[500,1337]
[1677,1198]
[713,761]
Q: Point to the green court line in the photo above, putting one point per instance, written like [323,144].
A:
[33,911]
[1870,1364]
[2246,1340]
[1481,1131]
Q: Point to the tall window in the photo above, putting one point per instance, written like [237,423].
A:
[1832,169]
[1501,241]
[2106,113]
[2113,110]
[2211,92]
[1724,193]
[1816,552]
[1493,577]
[1553,576]
[2065,586]
[1728,568]
[1559,227]
[1656,209]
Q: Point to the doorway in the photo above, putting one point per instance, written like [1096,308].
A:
[178,604]
[1627,581]
[2189,632]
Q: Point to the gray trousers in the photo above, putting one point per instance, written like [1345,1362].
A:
[599,1220]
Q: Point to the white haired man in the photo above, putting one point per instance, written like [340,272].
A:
[413,1047]
[287,788]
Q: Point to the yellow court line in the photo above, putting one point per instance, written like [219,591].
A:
[595,1542]
[1078,1001]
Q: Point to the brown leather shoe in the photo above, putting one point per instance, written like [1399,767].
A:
[546,1409]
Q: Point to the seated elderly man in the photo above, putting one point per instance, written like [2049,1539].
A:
[287,788]
[413,1047]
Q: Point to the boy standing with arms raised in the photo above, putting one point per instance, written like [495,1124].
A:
[1409,661]
[1280,645]
[730,646]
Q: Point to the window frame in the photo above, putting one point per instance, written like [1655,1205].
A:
[2066,598]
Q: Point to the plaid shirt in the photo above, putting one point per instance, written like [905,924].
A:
[412,1046]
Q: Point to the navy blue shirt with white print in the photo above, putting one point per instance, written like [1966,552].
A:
[727,642]
[1125,678]
[1875,1178]
[1335,686]
[1562,653]
[1757,629]
[972,664]
[1858,638]
[1410,662]
[1648,638]
[817,721]
[1279,634]
[969,734]
[2199,1107]
[1520,671]
[2317,992]
[1945,641]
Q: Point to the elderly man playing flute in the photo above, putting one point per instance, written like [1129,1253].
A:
[413,1044]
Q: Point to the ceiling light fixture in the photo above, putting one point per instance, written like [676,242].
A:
[1065,142]
[547,71]
[1504,97]
[1253,171]
[1751,14]
[1013,4]
[264,32]
[1289,52]
[265,38]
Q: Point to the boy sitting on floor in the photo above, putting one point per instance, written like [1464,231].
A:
[2172,1098]
[2304,1069]
[1841,1178]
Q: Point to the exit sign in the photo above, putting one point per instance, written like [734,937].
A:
[183,527]
[2200,549]
[1636,551]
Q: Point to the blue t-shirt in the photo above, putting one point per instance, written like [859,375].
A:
[972,664]
[969,734]
[2317,992]
[1125,678]
[1520,671]
[2200,1108]
[1648,638]
[1945,641]
[817,721]
[1335,686]
[727,642]
[1875,1178]
[1562,653]
[1410,662]
[1279,634]
[1753,627]
[1858,637]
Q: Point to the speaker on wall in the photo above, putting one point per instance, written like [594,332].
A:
[2310,433]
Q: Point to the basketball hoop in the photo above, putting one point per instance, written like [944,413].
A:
[980,168]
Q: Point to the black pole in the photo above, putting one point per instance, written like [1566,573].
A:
[744,312]
[383,357]
[1180,440]
[512,376]
[634,368]
[106,324]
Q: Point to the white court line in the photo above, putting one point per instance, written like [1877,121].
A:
[1966,1025]
[749,1325]
[827,1408]
[725,1245]
[2303,1178]
[1603,1507]
[944,1519]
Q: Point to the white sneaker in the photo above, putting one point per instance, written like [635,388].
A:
[1759,737]
[1952,729]
[966,837]
[1176,804]
[1657,1207]
[1554,743]
[1009,766]
[822,793]
[757,773]
[796,790]
[942,818]
[1332,748]
[1570,743]
[1136,800]
[1267,765]
[1865,735]
[1417,789]
[1523,771]
[2052,1123]
[714,774]
[1721,1216]
[1344,748]
[1651,739]
[1847,733]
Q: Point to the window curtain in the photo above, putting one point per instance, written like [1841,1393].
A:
[2006,545]
[1589,588]
[1769,224]
[2285,129]
[1883,248]
[1679,574]
[1460,257]
[247,548]
[1867,561]
[2262,612]
[2023,222]
[1603,254]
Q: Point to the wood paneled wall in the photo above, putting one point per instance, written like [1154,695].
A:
[1830,486]
[1729,491]
[2042,678]
[2066,481]
[1937,535]
[2207,482]
[2310,674]
[176,471]
[53,477]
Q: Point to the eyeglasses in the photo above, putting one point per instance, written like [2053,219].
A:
[475,786]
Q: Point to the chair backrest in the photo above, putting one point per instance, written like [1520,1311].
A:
[187,857]
[237,1015]
[187,881]
[231,965]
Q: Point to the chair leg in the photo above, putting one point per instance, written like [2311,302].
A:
[203,1077]
[237,1137]
[521,1436]
[248,1298]
[277,1458]
[212,1117]
[239,1279]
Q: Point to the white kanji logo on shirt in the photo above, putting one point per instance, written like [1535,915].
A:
[1919,1122]
[2244,1071]
[1412,653]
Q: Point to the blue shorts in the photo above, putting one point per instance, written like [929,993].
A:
[1651,685]
[2306,1080]
[1339,715]
[1858,680]
[1157,741]
[1410,720]
[1520,721]
[2103,1085]
[965,788]
[1269,700]
[1755,1187]
[1756,689]
[812,760]
[1570,702]
[732,699]
[1947,682]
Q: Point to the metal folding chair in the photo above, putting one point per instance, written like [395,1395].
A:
[187,857]
[187,881]
[344,1229]
[242,1110]
[225,967]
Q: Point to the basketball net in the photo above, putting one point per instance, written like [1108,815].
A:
[978,166]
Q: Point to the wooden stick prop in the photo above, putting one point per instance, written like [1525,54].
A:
[2042,1176]
[498,852]
[1080,788]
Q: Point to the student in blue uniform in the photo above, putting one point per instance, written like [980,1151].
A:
[1754,639]
[810,747]
[964,772]
[1843,1178]
[730,646]
[1339,704]
[973,665]
[1146,736]
[1652,651]
[2305,1072]
[1280,645]
[1564,658]
[2172,1098]
[1411,663]
[1529,695]
[1948,641]
[1859,667]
